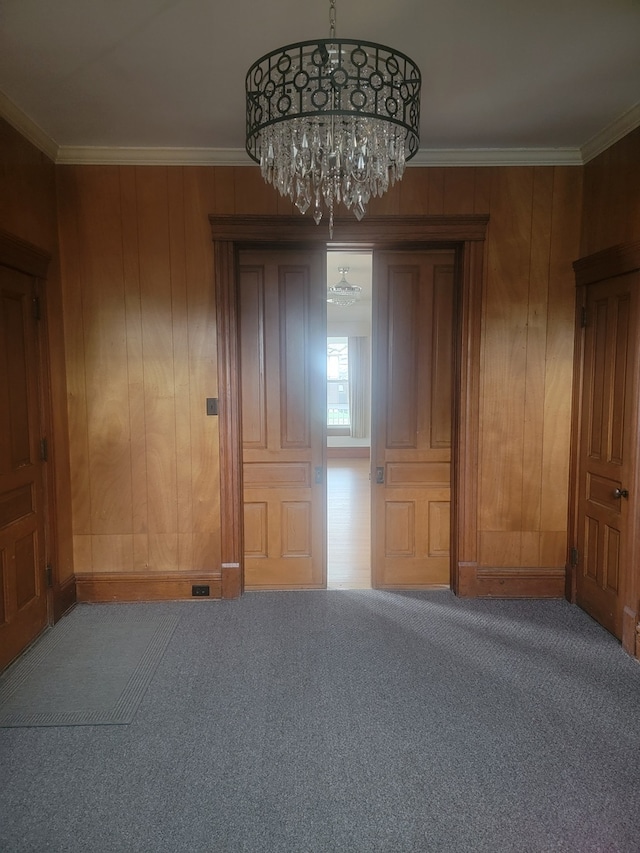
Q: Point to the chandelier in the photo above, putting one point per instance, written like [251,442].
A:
[343,294]
[333,120]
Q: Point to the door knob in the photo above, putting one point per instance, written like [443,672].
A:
[621,493]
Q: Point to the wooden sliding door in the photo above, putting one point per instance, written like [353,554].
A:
[282,324]
[412,406]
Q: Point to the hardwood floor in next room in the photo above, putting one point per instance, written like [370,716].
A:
[348,524]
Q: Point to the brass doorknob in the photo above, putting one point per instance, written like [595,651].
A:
[621,493]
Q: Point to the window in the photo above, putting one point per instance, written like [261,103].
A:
[338,382]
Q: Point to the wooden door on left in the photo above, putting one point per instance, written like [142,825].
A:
[282,319]
[23,592]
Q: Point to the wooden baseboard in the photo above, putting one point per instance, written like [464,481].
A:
[348,452]
[630,631]
[138,586]
[64,597]
[538,582]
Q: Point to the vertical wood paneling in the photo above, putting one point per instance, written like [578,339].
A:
[200,196]
[139,270]
[459,191]
[536,332]
[565,231]
[612,196]
[104,324]
[505,363]
[69,201]
[141,360]
[135,364]
[158,356]
[27,190]
[179,316]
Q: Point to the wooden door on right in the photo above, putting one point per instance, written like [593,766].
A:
[411,417]
[606,450]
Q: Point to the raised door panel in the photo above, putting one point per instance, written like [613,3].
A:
[23,605]
[413,355]
[282,341]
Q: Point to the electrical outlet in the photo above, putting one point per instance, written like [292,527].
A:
[198,591]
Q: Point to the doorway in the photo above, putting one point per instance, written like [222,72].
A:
[464,236]
[349,329]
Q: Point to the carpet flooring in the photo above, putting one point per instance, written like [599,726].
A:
[355,721]
[92,668]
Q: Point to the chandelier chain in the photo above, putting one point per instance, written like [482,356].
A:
[332,18]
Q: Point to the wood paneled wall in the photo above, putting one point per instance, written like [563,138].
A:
[27,191]
[138,289]
[612,196]
[28,211]
[141,345]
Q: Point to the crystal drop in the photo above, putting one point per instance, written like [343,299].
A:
[359,210]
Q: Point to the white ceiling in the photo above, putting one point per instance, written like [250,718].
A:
[169,74]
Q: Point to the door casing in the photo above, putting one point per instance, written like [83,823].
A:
[464,234]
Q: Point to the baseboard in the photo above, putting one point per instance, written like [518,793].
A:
[348,452]
[538,582]
[64,597]
[137,586]
[630,631]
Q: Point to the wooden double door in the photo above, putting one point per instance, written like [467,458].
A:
[606,427]
[282,340]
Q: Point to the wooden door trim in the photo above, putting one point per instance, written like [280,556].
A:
[465,234]
[23,256]
[591,269]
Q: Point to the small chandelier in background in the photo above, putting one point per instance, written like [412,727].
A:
[333,120]
[343,294]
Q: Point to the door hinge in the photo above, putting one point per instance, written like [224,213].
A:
[48,573]
[44,450]
[574,557]
[583,317]
[37,314]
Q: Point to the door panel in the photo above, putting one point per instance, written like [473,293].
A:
[282,351]
[23,597]
[411,447]
[604,465]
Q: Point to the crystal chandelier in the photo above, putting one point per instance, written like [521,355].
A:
[343,294]
[333,120]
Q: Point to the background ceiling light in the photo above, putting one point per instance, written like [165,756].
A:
[343,294]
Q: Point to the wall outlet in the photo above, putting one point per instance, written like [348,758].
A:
[198,591]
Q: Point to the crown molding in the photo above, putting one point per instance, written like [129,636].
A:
[103,156]
[139,156]
[611,134]
[93,155]
[497,157]
[27,127]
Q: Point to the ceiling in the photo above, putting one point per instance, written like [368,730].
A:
[89,80]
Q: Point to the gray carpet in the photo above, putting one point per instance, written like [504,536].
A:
[92,668]
[363,722]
